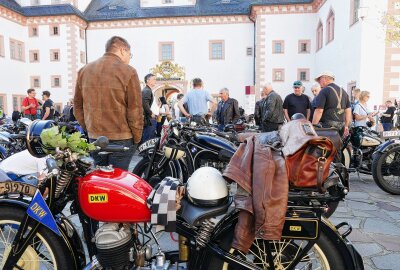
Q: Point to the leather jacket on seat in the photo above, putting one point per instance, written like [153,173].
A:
[262,195]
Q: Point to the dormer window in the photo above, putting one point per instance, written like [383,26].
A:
[225,1]
[112,7]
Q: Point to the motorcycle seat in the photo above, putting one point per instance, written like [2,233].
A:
[194,214]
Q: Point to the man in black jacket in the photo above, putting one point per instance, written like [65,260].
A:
[147,100]
[227,111]
[272,110]
[257,109]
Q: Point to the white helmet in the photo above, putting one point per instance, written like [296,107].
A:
[207,187]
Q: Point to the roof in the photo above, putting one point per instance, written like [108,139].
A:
[103,10]
[44,10]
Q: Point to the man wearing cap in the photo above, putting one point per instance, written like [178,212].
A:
[333,105]
[296,102]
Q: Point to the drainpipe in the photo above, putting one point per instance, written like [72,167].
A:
[86,53]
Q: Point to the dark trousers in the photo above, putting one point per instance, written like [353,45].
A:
[118,160]
[387,126]
[269,126]
[149,132]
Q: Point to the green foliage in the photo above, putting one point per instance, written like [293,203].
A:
[55,137]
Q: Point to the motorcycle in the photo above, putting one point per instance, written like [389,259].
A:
[36,235]
[13,137]
[386,163]
[180,151]
[364,151]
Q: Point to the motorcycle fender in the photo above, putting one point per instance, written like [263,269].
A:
[345,247]
[386,146]
[68,232]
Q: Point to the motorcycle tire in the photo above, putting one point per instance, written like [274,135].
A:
[381,174]
[10,217]
[324,254]
[153,180]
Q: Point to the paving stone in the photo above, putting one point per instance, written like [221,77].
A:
[383,215]
[358,205]
[358,235]
[357,195]
[394,215]
[375,225]
[367,249]
[363,214]
[354,222]
[387,206]
[389,242]
[390,261]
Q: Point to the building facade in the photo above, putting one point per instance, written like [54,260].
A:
[237,44]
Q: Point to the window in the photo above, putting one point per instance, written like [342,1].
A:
[56,81]
[217,50]
[34,56]
[17,50]
[320,33]
[304,46]
[33,31]
[278,46]
[35,2]
[249,51]
[3,103]
[35,81]
[54,55]
[354,8]
[278,75]
[166,52]
[54,30]
[82,56]
[168,1]
[303,74]
[82,33]
[17,102]
[330,27]
[2,46]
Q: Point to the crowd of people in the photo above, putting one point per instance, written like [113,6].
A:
[109,101]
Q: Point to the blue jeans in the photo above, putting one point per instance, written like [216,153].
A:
[387,126]
[221,127]
[150,131]
[118,160]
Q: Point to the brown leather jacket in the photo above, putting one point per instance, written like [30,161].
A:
[108,99]
[261,173]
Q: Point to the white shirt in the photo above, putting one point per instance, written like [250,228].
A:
[23,163]
[362,111]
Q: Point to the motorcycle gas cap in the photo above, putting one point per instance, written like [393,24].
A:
[107,169]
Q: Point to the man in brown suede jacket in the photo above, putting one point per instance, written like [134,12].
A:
[108,101]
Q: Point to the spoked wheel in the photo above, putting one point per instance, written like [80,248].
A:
[322,256]
[386,170]
[46,251]
[160,169]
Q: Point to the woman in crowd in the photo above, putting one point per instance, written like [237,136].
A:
[163,114]
[363,116]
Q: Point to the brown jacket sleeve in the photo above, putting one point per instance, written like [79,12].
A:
[134,107]
[78,102]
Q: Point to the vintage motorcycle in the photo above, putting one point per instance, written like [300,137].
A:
[365,151]
[181,150]
[35,234]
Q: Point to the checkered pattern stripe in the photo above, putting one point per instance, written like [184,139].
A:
[162,202]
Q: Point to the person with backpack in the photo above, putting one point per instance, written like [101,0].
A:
[30,105]
[48,106]
[333,105]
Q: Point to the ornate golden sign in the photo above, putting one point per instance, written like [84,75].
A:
[168,71]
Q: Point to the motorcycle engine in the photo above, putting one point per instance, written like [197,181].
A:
[114,243]
[215,164]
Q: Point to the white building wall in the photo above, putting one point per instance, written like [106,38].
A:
[15,74]
[191,49]
[373,51]
[290,28]
[342,56]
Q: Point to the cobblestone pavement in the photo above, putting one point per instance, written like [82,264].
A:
[375,218]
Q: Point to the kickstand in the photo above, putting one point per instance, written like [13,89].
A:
[359,177]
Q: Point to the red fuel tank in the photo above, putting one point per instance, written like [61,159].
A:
[114,196]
